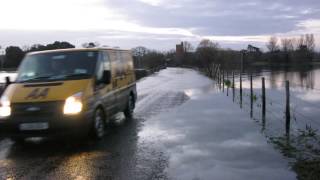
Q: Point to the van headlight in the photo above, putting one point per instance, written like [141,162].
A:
[5,109]
[73,104]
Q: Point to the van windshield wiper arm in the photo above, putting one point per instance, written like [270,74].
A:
[37,78]
[76,75]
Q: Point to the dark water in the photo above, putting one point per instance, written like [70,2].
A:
[300,76]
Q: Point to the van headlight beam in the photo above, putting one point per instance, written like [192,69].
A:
[5,109]
[73,104]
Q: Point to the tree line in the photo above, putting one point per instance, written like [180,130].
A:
[14,54]
[145,58]
[300,49]
[206,53]
[293,51]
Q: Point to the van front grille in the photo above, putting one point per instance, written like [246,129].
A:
[53,108]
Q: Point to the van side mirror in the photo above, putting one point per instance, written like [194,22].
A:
[7,81]
[106,77]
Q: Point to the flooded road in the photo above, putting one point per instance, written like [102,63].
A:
[183,128]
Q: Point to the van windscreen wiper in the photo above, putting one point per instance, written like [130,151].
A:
[37,78]
[77,75]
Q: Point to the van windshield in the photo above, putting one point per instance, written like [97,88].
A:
[57,66]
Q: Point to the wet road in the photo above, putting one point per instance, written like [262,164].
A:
[177,133]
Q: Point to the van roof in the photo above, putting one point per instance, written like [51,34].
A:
[76,49]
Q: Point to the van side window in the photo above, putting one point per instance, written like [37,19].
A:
[100,69]
[119,64]
[128,62]
[106,61]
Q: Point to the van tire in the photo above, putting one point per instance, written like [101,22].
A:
[128,112]
[98,126]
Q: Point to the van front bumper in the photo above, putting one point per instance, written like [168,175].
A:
[44,126]
[48,122]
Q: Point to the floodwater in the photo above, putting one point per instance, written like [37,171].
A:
[304,82]
[183,128]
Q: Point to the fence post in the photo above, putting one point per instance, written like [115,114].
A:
[241,89]
[251,96]
[223,81]
[214,71]
[228,84]
[287,108]
[233,86]
[219,74]
[263,98]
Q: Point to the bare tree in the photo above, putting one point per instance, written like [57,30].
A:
[207,43]
[139,51]
[300,42]
[272,45]
[207,52]
[287,44]
[309,42]
[187,46]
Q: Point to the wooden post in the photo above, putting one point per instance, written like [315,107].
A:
[218,69]
[251,96]
[241,71]
[223,81]
[212,71]
[241,89]
[219,79]
[218,76]
[287,108]
[228,84]
[263,98]
[233,86]
[242,59]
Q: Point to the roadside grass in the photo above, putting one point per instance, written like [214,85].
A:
[304,148]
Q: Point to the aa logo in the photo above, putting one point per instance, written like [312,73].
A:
[38,93]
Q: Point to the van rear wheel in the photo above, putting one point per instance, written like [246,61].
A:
[128,112]
[98,129]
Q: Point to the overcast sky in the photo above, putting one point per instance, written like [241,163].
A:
[157,24]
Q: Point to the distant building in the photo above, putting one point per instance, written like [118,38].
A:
[179,50]
[179,53]
[252,54]
[253,49]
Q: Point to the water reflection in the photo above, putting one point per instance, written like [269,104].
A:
[206,140]
[304,76]
[297,137]
[115,156]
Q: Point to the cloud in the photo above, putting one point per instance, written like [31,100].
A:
[310,26]
[159,22]
[152,2]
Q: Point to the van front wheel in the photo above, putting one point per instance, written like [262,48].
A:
[128,112]
[98,129]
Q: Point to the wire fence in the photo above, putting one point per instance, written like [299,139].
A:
[274,103]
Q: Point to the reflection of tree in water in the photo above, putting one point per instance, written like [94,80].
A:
[302,145]
[302,76]
[307,78]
